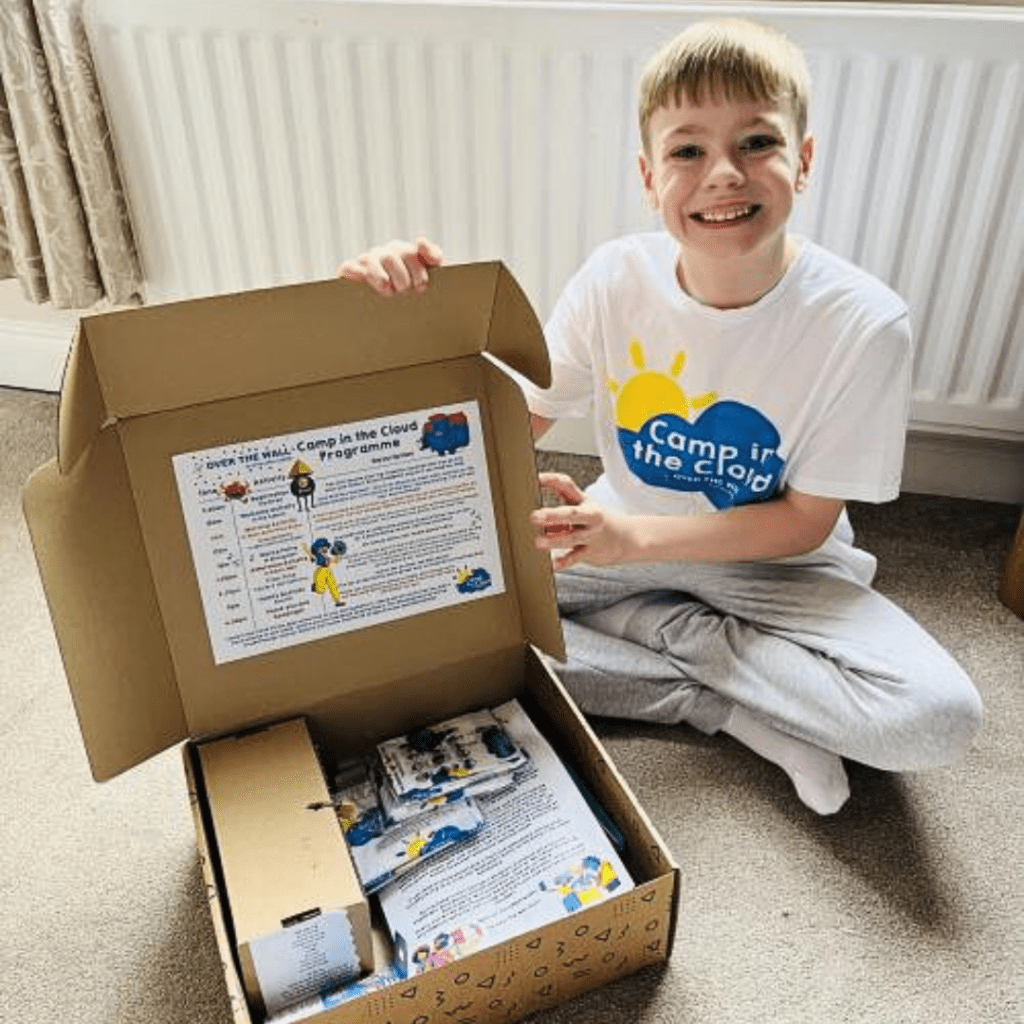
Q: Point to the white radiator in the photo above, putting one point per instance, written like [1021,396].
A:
[262,141]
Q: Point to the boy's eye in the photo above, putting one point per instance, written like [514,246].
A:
[688,152]
[757,143]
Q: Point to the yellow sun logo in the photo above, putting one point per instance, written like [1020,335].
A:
[649,393]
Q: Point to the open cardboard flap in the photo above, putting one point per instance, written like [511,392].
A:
[107,524]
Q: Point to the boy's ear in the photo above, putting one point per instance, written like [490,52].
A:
[647,178]
[806,159]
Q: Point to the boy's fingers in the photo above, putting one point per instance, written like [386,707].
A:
[569,558]
[428,252]
[563,486]
[416,269]
[563,518]
[351,271]
[398,266]
[398,272]
[366,270]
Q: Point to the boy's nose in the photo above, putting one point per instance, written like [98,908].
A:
[724,171]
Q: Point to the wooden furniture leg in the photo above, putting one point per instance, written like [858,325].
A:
[1011,589]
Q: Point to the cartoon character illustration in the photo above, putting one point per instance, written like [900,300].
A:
[443,836]
[325,556]
[425,740]
[496,740]
[416,845]
[360,825]
[445,433]
[472,581]
[445,947]
[303,485]
[446,773]
[237,490]
[592,879]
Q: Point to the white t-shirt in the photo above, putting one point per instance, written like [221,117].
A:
[698,408]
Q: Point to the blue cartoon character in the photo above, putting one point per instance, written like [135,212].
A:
[472,581]
[589,881]
[496,741]
[445,433]
[325,556]
[426,740]
[303,485]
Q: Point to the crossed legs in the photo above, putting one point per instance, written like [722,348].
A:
[798,661]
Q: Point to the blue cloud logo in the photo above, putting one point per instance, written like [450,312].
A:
[729,454]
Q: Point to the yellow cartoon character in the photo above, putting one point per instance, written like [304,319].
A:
[325,556]
[415,846]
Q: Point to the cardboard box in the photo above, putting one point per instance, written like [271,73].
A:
[132,607]
[301,922]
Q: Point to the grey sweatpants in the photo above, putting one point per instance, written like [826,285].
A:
[809,648]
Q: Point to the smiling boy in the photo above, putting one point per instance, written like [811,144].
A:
[744,385]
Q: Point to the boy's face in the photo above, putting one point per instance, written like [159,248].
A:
[723,173]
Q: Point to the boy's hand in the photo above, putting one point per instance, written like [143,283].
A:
[398,266]
[592,534]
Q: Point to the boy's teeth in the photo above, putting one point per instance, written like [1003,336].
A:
[720,215]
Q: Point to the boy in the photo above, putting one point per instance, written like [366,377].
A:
[745,384]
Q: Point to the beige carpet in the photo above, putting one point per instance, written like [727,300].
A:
[906,908]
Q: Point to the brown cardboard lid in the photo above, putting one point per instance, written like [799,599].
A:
[96,575]
[107,587]
[157,358]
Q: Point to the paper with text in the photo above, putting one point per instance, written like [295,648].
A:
[323,531]
[541,856]
[304,959]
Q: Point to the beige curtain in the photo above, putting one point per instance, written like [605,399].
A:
[64,228]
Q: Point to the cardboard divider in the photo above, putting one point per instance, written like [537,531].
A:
[300,917]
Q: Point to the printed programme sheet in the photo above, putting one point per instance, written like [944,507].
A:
[315,533]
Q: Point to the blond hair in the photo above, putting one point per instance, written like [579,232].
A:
[728,58]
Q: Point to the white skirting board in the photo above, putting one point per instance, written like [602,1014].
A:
[32,354]
[954,465]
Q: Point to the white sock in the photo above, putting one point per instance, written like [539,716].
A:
[818,775]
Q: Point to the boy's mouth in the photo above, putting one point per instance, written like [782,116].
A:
[725,216]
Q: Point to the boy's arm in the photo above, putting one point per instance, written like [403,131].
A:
[539,425]
[790,524]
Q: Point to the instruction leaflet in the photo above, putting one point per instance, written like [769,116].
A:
[336,528]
